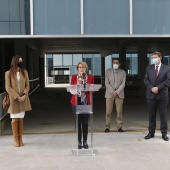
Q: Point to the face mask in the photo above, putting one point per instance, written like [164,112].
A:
[20,64]
[155,61]
[115,66]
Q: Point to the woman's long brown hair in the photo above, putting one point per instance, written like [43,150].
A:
[14,66]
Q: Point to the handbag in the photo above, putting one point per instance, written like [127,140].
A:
[6,101]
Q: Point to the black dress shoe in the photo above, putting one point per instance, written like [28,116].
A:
[165,137]
[150,135]
[85,145]
[107,130]
[79,144]
[120,130]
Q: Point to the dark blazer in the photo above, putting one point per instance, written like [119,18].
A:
[90,80]
[162,82]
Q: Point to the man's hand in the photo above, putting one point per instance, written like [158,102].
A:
[114,94]
[154,90]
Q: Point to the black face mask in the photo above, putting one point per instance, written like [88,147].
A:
[20,64]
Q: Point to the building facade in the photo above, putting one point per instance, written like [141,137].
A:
[53,35]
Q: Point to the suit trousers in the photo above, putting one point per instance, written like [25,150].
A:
[119,108]
[82,124]
[161,106]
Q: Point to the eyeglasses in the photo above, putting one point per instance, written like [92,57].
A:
[81,67]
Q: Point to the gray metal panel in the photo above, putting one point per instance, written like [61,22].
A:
[96,65]
[14,10]
[15,28]
[22,15]
[57,17]
[73,70]
[22,28]
[4,10]
[106,17]
[4,28]
[151,17]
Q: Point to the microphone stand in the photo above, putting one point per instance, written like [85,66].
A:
[84,80]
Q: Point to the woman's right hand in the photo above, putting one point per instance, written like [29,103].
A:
[21,99]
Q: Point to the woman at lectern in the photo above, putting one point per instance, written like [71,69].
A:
[83,99]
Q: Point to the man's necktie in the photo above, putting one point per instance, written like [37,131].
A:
[156,71]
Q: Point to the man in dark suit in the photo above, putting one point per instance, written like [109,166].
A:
[157,80]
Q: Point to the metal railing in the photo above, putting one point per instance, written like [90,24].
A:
[3,112]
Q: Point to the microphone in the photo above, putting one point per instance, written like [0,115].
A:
[84,79]
[84,76]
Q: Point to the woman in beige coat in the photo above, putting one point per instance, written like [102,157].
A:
[17,86]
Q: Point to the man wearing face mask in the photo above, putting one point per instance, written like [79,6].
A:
[157,80]
[115,84]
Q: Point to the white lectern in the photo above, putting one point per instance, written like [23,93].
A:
[84,109]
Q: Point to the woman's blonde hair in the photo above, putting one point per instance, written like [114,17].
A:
[84,64]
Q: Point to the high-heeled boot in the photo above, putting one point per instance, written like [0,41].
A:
[20,130]
[14,126]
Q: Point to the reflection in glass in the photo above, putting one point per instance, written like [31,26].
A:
[132,64]
[57,60]
[67,59]
[77,58]
[96,65]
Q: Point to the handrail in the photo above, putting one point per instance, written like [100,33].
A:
[29,81]
[3,116]
[34,79]
[34,90]
[2,93]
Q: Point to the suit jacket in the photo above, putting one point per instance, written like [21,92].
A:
[110,84]
[90,80]
[11,85]
[162,82]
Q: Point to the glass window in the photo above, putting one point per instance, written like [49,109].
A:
[77,58]
[151,17]
[66,72]
[166,60]
[149,58]
[57,60]
[106,17]
[57,17]
[60,72]
[108,62]
[56,72]
[88,59]
[49,60]
[96,65]
[132,64]
[115,55]
[67,59]
[12,17]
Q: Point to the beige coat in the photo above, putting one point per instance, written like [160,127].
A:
[11,85]
[110,84]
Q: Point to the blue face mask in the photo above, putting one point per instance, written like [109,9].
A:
[155,61]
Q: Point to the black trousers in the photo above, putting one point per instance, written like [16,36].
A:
[155,105]
[82,124]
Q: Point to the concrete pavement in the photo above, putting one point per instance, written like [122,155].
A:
[49,137]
